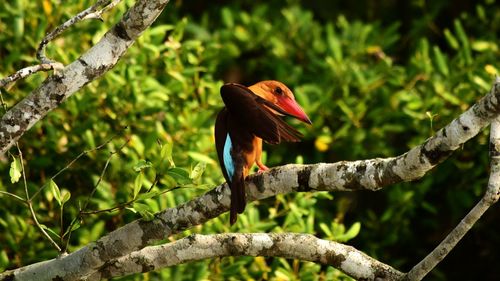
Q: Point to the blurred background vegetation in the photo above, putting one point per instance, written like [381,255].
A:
[376,77]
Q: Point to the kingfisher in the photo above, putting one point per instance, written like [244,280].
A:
[252,115]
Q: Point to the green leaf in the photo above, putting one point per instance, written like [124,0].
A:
[65,196]
[4,260]
[141,165]
[326,229]
[166,152]
[338,230]
[198,170]
[15,170]
[168,181]
[144,210]
[55,191]
[201,157]
[148,195]
[147,215]
[49,230]
[353,231]
[464,40]
[483,46]
[76,226]
[227,17]
[88,136]
[181,176]
[452,41]
[138,184]
[441,61]
[177,76]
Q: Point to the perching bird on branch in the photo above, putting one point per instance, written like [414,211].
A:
[252,114]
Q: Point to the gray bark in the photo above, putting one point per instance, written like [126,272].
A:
[287,245]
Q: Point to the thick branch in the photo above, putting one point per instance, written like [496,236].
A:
[287,245]
[365,174]
[91,65]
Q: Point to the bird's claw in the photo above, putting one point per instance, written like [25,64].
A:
[262,169]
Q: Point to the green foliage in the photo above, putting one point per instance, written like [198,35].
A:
[372,89]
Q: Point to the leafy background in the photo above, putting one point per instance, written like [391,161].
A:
[376,78]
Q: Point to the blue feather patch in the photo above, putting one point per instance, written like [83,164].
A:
[228,159]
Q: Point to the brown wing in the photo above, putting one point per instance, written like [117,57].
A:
[226,126]
[251,112]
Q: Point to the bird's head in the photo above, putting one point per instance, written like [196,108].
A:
[279,94]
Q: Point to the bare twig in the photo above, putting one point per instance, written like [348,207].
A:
[13,196]
[111,154]
[81,212]
[27,71]
[83,153]
[98,14]
[288,245]
[30,204]
[123,205]
[92,12]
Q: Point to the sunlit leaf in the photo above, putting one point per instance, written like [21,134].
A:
[141,165]
[166,153]
[148,195]
[197,171]
[55,191]
[139,179]
[201,157]
[15,170]
[65,196]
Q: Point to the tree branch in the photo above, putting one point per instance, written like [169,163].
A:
[371,174]
[490,197]
[27,71]
[92,12]
[287,245]
[91,65]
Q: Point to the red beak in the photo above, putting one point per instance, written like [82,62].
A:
[291,107]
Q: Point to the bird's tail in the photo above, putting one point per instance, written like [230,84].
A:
[238,197]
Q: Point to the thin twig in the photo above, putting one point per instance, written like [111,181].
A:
[92,12]
[98,14]
[123,205]
[103,172]
[13,196]
[29,202]
[99,147]
[80,213]
[27,71]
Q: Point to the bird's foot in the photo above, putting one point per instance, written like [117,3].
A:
[262,168]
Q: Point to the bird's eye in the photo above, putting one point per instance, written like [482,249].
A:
[278,91]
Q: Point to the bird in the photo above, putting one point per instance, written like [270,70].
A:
[250,116]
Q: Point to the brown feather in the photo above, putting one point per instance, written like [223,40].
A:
[247,118]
